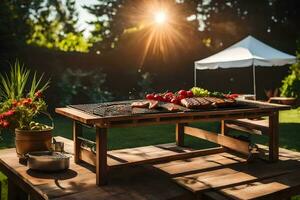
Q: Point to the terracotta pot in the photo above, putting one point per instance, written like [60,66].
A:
[32,140]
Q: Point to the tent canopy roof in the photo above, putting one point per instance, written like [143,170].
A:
[245,53]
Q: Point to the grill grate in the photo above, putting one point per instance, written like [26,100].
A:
[123,108]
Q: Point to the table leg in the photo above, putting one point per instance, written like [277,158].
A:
[101,156]
[274,136]
[15,192]
[180,134]
[224,128]
[77,132]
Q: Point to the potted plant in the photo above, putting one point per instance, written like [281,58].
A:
[21,102]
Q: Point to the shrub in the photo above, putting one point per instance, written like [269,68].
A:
[78,86]
[291,83]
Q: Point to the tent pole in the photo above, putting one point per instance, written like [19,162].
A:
[254,80]
[195,77]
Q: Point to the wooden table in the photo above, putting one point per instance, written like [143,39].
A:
[181,119]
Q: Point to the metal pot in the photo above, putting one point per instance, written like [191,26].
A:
[48,161]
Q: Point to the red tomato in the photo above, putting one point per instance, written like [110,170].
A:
[189,94]
[180,97]
[150,96]
[182,92]
[168,96]
[234,95]
[174,100]
[158,97]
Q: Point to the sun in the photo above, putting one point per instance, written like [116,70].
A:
[160,17]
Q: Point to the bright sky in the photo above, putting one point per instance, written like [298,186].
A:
[84,15]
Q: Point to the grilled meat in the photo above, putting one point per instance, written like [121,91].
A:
[196,103]
[151,104]
[190,103]
[172,107]
[204,103]
[218,102]
[140,104]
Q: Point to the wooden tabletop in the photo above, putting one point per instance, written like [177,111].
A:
[258,109]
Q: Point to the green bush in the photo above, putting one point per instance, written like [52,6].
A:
[291,83]
[79,86]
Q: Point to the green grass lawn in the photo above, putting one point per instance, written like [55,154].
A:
[118,138]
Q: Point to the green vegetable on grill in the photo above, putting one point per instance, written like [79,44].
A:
[200,92]
[217,94]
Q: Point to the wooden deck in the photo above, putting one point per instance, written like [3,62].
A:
[221,175]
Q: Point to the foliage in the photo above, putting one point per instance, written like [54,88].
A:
[145,83]
[14,26]
[218,22]
[291,84]
[20,114]
[21,100]
[13,85]
[50,24]
[87,86]
[54,27]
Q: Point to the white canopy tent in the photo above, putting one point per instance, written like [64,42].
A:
[248,52]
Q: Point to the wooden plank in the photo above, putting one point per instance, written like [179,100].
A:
[264,104]
[208,162]
[78,115]
[87,156]
[244,129]
[251,126]
[119,123]
[180,134]
[146,155]
[256,124]
[138,183]
[77,132]
[280,187]
[101,156]
[212,195]
[16,179]
[231,143]
[232,176]
[273,137]
[224,129]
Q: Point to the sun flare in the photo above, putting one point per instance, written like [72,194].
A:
[160,17]
[160,29]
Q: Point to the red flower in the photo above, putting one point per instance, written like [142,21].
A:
[26,102]
[14,103]
[5,124]
[38,94]
[1,116]
[9,113]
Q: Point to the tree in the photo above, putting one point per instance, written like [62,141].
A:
[14,22]
[45,23]
[53,26]
[216,23]
[291,83]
